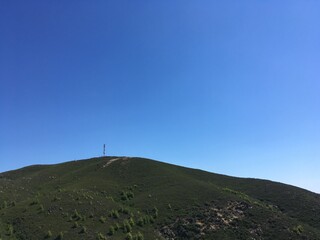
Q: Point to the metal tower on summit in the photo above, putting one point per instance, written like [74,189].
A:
[104,149]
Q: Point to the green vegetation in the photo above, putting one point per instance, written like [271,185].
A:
[49,234]
[135,198]
[83,229]
[111,231]
[100,236]
[126,226]
[60,236]
[114,213]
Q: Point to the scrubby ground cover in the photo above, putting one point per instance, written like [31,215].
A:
[135,198]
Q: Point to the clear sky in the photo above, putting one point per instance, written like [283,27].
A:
[231,87]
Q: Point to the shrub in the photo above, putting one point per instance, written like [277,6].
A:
[76,215]
[151,219]
[41,208]
[131,222]
[155,212]
[102,219]
[34,201]
[117,227]
[111,231]
[140,222]
[124,210]
[75,225]
[49,234]
[145,220]
[5,204]
[130,195]
[55,199]
[129,236]
[83,229]
[298,229]
[10,229]
[60,236]
[139,236]
[127,195]
[114,213]
[100,236]
[124,198]
[110,198]
[126,226]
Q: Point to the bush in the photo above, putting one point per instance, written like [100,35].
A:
[41,208]
[10,229]
[298,229]
[60,236]
[76,215]
[151,219]
[100,236]
[127,195]
[126,226]
[124,210]
[5,204]
[139,236]
[111,231]
[49,234]
[140,222]
[155,212]
[110,198]
[83,229]
[35,202]
[114,213]
[129,236]
[131,222]
[117,227]
[75,225]
[102,219]
[55,199]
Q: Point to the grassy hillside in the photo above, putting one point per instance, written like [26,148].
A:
[135,198]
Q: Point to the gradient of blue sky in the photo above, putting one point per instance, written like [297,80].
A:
[226,86]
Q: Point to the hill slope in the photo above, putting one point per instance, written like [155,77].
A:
[136,198]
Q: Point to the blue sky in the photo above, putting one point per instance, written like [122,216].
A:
[226,86]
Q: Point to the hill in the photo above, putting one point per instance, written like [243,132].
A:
[136,198]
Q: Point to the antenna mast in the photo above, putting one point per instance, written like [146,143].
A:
[104,149]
